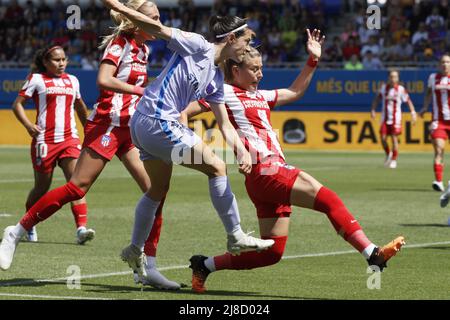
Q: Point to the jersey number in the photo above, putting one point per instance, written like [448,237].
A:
[41,150]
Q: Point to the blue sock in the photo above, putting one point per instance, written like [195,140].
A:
[225,203]
[143,220]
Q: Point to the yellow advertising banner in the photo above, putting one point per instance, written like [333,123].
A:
[296,130]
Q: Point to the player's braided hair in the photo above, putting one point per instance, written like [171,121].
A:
[123,24]
[38,61]
[221,25]
[230,63]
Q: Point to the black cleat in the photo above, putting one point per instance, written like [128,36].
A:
[199,273]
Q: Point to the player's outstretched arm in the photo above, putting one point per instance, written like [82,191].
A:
[413,111]
[375,103]
[426,103]
[301,83]
[81,110]
[19,112]
[143,22]
[232,137]
[106,80]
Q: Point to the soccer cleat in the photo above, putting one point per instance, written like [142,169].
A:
[32,235]
[387,161]
[380,256]
[247,243]
[84,235]
[8,247]
[438,186]
[135,259]
[155,279]
[393,164]
[199,273]
[445,197]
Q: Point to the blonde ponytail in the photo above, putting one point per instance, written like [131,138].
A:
[123,24]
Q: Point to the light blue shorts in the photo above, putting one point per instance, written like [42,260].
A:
[169,141]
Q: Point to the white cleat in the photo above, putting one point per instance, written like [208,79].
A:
[32,235]
[84,235]
[438,186]
[247,243]
[388,159]
[393,164]
[155,279]
[136,260]
[445,197]
[8,247]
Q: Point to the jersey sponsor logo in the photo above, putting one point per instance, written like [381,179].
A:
[443,86]
[48,81]
[59,90]
[106,140]
[194,82]
[139,67]
[115,50]
[255,104]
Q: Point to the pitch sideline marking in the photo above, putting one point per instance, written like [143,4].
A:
[105,275]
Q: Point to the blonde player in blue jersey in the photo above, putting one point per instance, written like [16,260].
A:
[192,73]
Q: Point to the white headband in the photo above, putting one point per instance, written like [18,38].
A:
[232,31]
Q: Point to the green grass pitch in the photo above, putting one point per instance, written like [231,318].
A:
[317,265]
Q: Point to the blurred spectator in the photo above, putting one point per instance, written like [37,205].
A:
[353,63]
[349,31]
[351,48]
[14,14]
[436,18]
[371,46]
[420,34]
[174,20]
[334,52]
[403,51]
[89,62]
[371,62]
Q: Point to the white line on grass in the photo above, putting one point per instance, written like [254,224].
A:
[122,273]
[39,296]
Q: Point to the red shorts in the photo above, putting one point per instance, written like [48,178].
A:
[440,129]
[107,141]
[390,130]
[45,155]
[269,187]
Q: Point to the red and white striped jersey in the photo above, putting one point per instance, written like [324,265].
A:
[440,86]
[54,98]
[116,109]
[392,98]
[249,112]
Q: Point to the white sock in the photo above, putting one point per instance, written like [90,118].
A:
[367,252]
[225,203]
[19,231]
[210,265]
[151,262]
[143,220]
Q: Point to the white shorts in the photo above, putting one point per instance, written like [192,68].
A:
[169,141]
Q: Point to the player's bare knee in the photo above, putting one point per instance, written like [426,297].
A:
[219,169]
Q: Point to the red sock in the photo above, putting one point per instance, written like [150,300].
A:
[359,240]
[79,212]
[151,244]
[328,202]
[252,259]
[438,171]
[386,149]
[51,202]
[394,154]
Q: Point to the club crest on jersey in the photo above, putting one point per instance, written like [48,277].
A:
[67,81]
[106,140]
[115,50]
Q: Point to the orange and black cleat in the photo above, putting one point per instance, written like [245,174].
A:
[380,256]
[199,273]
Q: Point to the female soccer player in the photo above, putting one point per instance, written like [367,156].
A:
[121,77]
[56,95]
[392,95]
[272,184]
[192,73]
[439,90]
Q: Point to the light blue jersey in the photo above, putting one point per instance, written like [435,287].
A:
[190,75]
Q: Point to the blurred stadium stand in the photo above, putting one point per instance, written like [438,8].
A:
[414,34]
